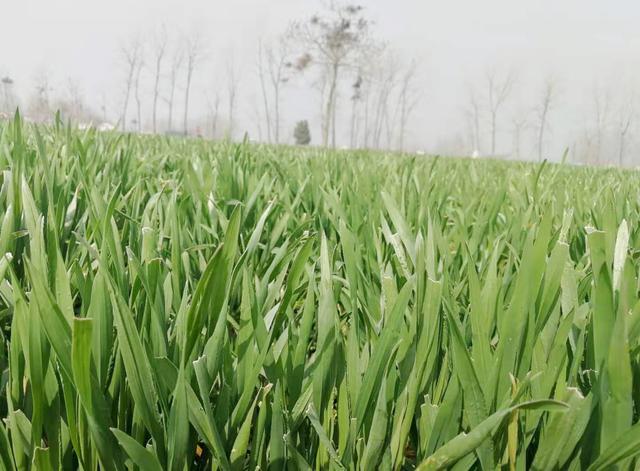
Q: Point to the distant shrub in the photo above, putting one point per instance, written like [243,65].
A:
[301,133]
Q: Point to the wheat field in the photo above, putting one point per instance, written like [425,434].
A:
[172,304]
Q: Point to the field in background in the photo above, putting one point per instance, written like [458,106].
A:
[176,303]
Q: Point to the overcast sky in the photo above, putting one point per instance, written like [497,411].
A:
[584,44]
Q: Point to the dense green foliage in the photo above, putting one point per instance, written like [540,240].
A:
[171,303]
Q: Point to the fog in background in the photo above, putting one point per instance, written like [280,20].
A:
[589,50]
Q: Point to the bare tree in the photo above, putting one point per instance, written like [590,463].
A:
[214,107]
[383,97]
[498,91]
[626,117]
[408,100]
[356,98]
[281,70]
[263,87]
[40,103]
[255,113]
[385,85]
[364,98]
[586,148]
[381,79]
[71,104]
[138,97]
[473,113]
[103,106]
[273,72]
[193,52]
[159,50]
[176,64]
[519,124]
[131,55]
[468,136]
[232,91]
[601,108]
[335,41]
[75,102]
[542,111]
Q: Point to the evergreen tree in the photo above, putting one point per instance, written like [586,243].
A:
[301,133]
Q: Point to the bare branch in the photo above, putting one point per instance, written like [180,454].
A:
[159,47]
[193,51]
[498,91]
[547,99]
[626,118]
[333,41]
[131,54]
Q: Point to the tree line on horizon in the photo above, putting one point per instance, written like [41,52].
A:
[366,95]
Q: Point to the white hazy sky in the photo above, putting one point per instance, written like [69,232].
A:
[583,43]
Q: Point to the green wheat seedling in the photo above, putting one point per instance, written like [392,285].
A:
[172,304]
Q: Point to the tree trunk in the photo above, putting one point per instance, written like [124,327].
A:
[365,136]
[186,101]
[138,100]
[333,120]
[543,125]
[623,140]
[155,94]
[214,119]
[540,138]
[493,134]
[276,105]
[403,125]
[263,88]
[476,129]
[232,104]
[170,102]
[123,123]
[352,132]
[329,110]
